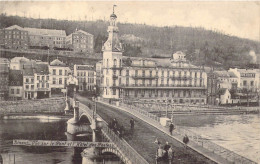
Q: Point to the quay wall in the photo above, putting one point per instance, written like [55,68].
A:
[49,105]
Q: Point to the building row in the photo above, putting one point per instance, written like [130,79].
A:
[22,78]
[16,37]
[171,79]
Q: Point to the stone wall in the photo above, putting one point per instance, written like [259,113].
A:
[50,105]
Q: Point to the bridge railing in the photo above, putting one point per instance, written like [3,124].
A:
[124,147]
[121,144]
[143,112]
[202,141]
[213,147]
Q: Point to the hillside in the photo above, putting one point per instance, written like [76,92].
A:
[203,47]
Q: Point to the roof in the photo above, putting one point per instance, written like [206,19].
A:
[46,32]
[159,62]
[222,74]
[15,78]
[20,59]
[84,67]
[84,32]
[232,75]
[15,27]
[57,62]
[28,71]
[42,69]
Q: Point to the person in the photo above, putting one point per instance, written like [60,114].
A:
[171,127]
[89,106]
[170,155]
[166,148]
[114,123]
[132,123]
[159,154]
[185,140]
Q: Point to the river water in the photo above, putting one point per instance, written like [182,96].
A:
[37,128]
[239,133]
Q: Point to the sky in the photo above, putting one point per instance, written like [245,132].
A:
[240,19]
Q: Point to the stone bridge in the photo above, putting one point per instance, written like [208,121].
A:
[86,120]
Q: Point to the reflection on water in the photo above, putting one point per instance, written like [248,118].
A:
[239,133]
[36,129]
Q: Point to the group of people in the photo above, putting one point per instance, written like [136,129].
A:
[120,130]
[164,153]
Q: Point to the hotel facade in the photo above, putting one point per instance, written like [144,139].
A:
[158,79]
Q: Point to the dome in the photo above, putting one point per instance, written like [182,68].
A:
[113,16]
[57,62]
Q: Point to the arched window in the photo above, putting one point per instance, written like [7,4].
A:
[120,62]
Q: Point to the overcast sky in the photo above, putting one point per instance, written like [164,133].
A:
[236,18]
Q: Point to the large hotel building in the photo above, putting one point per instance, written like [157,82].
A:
[134,78]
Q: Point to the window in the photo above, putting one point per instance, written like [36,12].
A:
[168,73]
[195,74]
[27,80]
[162,73]
[60,72]
[43,78]
[60,80]
[143,82]
[151,73]
[54,81]
[42,85]
[244,83]
[12,91]
[38,85]
[136,72]
[27,86]
[47,85]
[18,91]
[161,93]
[54,71]
[47,78]
[127,81]
[114,91]
[136,82]
[252,83]
[32,80]
[156,73]
[65,81]
[32,87]
[127,72]
[66,72]
[143,73]
[114,63]
[38,77]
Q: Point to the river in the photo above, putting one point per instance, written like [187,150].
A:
[239,133]
[37,128]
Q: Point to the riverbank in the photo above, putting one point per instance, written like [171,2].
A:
[33,107]
[208,112]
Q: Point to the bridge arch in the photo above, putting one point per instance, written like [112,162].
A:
[115,152]
[84,119]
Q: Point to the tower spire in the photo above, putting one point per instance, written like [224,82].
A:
[114,9]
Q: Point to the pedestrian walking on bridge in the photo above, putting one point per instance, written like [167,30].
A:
[132,123]
[185,140]
[171,127]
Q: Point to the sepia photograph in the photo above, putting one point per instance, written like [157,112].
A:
[129,82]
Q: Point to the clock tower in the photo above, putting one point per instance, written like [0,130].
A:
[112,61]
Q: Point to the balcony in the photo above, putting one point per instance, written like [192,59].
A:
[144,77]
[163,86]
[116,67]
[180,78]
